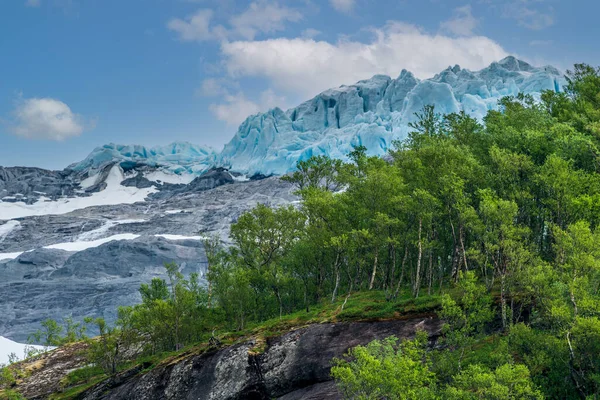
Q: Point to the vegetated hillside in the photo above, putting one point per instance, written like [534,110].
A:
[498,218]
[285,358]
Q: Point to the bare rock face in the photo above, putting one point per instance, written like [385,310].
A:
[294,366]
[46,282]
[28,184]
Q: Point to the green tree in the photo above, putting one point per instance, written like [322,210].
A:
[386,369]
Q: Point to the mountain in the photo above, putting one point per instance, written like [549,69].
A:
[80,241]
[372,112]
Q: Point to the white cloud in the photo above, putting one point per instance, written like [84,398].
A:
[195,27]
[263,16]
[46,118]
[343,5]
[310,33]
[237,107]
[463,23]
[528,14]
[211,87]
[33,3]
[306,66]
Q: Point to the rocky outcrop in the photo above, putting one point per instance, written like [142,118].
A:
[42,375]
[211,179]
[29,184]
[293,366]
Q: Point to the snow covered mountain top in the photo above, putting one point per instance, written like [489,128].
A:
[372,112]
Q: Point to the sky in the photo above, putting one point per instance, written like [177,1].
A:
[77,74]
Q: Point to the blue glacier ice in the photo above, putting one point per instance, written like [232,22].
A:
[177,158]
[373,113]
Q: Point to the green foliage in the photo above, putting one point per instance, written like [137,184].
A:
[51,333]
[508,381]
[8,379]
[386,369]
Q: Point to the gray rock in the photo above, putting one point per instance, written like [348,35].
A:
[31,183]
[55,284]
[294,366]
[37,264]
[138,181]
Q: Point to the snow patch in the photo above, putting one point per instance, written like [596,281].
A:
[10,256]
[84,245]
[97,233]
[80,245]
[164,177]
[7,228]
[7,347]
[113,194]
[180,237]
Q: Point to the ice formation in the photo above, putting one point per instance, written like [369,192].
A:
[374,113]
[178,158]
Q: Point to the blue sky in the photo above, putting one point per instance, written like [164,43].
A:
[76,74]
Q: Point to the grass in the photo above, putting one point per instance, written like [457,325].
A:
[74,391]
[360,306]
[81,375]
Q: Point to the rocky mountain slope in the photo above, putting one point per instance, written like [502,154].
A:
[292,366]
[91,260]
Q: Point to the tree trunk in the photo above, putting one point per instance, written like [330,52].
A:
[417,283]
[462,244]
[337,277]
[401,271]
[503,299]
[430,273]
[393,272]
[278,294]
[374,268]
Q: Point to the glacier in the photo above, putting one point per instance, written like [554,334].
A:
[373,113]
[179,158]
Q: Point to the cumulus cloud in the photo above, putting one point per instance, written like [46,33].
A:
[237,107]
[305,66]
[530,14]
[463,23]
[211,87]
[263,16]
[310,33]
[343,5]
[46,118]
[195,27]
